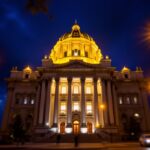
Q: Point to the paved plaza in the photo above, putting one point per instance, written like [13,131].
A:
[63,146]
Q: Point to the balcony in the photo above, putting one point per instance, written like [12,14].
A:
[63,96]
[75,97]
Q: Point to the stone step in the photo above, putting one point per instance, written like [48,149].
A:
[82,138]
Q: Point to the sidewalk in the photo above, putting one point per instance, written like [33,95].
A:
[70,145]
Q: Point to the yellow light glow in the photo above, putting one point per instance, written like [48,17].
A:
[97,125]
[107,57]
[146,35]
[45,57]
[125,69]
[28,69]
[88,51]
[102,106]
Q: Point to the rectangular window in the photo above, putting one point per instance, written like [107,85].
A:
[135,100]
[25,101]
[65,54]
[76,89]
[79,52]
[120,100]
[76,106]
[72,52]
[86,54]
[89,107]
[88,90]
[64,90]
[63,108]
[127,100]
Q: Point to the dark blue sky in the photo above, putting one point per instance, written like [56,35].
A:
[116,25]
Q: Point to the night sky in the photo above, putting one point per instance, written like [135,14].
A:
[118,27]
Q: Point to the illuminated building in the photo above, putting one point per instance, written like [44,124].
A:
[76,90]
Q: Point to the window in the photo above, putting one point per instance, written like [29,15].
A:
[76,106]
[88,90]
[127,101]
[137,115]
[63,108]
[32,101]
[120,100]
[86,54]
[65,54]
[25,101]
[76,89]
[135,101]
[76,52]
[89,107]
[63,90]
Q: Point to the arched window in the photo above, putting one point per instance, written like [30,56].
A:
[76,89]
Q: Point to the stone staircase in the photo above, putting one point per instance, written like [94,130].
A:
[82,138]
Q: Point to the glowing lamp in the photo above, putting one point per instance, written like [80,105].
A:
[68,130]
[83,130]
[102,106]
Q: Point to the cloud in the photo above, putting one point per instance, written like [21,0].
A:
[12,17]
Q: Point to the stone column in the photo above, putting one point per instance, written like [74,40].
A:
[96,107]
[143,100]
[101,111]
[115,105]
[104,101]
[36,107]
[83,102]
[42,102]
[47,106]
[69,106]
[110,103]
[55,119]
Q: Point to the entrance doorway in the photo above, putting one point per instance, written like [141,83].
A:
[76,127]
[89,127]
[62,128]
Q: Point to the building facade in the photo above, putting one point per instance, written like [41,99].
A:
[76,90]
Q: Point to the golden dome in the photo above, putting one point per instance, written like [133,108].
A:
[76,45]
[125,69]
[27,69]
